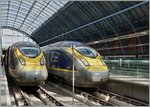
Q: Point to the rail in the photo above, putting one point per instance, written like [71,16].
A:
[82,96]
[47,98]
[21,98]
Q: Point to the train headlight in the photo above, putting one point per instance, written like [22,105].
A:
[22,61]
[42,61]
[103,62]
[84,61]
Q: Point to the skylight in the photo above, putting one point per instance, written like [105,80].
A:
[26,15]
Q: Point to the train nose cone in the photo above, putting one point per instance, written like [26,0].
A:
[34,75]
[99,76]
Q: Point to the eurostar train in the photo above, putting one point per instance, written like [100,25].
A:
[25,64]
[90,69]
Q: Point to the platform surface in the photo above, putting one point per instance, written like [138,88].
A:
[4,91]
[130,79]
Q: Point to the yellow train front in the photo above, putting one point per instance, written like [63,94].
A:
[90,69]
[25,64]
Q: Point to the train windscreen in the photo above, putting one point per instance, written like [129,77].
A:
[30,51]
[87,51]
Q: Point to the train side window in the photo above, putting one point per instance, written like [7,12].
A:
[65,62]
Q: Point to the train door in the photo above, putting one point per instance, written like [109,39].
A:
[65,64]
[53,62]
[62,64]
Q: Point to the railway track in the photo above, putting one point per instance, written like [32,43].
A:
[24,99]
[61,96]
[84,97]
[21,98]
[117,99]
[46,97]
[100,97]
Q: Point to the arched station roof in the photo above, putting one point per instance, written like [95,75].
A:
[26,16]
[112,27]
[124,24]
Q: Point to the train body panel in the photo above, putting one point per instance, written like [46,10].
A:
[24,64]
[90,70]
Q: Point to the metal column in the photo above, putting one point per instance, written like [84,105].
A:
[0,52]
[0,39]
[73,75]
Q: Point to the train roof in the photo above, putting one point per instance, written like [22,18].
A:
[67,44]
[24,44]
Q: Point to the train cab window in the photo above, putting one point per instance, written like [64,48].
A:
[55,56]
[54,59]
[30,51]
[87,51]
[60,60]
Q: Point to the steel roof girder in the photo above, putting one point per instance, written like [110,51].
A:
[121,11]
[134,31]
[52,17]
[35,18]
[28,13]
[8,10]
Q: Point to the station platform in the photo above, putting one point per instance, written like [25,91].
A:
[4,90]
[130,79]
[129,86]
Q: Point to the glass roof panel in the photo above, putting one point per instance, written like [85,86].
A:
[28,15]
[23,9]
[64,1]
[48,11]
[55,5]
[20,18]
